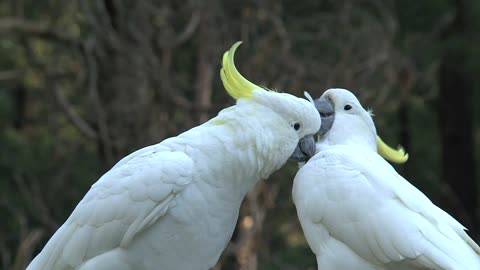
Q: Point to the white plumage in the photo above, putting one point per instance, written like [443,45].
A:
[357,212]
[174,205]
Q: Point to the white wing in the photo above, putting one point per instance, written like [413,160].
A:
[363,202]
[123,202]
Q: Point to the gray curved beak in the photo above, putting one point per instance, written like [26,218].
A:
[327,112]
[305,149]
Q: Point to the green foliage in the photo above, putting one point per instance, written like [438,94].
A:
[421,16]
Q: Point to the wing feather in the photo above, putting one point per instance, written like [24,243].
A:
[126,200]
[366,204]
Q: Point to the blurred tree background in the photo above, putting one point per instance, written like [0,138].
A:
[85,82]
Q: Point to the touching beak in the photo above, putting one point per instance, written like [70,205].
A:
[305,149]
[327,112]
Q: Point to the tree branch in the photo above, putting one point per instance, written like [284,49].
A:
[74,117]
[11,74]
[185,35]
[34,29]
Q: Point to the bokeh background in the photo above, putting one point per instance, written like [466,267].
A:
[85,82]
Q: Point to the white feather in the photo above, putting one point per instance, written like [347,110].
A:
[174,205]
[357,212]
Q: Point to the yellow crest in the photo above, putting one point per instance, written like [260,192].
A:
[390,154]
[235,84]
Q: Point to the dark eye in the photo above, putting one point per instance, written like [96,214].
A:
[347,107]
[296,126]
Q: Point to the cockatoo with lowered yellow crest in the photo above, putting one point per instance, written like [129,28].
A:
[174,205]
[358,213]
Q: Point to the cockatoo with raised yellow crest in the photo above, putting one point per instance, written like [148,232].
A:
[174,205]
[358,213]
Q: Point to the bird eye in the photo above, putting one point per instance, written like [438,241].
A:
[347,107]
[296,126]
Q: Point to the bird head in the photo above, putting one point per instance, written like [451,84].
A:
[300,115]
[344,121]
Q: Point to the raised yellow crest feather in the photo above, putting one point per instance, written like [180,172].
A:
[390,154]
[235,84]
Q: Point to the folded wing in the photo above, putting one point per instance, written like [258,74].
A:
[122,203]
[364,203]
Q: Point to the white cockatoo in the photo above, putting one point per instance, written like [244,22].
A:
[358,213]
[174,205]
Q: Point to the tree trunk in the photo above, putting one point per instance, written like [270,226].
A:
[455,121]
[20,101]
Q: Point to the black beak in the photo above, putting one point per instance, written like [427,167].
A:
[305,149]
[327,112]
